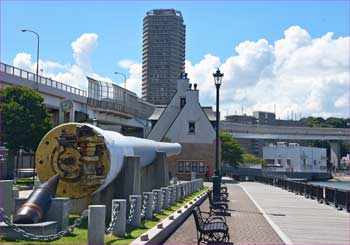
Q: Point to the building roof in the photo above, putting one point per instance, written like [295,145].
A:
[157,113]
[210,113]
[160,108]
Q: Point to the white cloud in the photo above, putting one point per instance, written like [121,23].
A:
[83,47]
[126,63]
[75,74]
[299,74]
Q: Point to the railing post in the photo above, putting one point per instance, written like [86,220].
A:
[149,210]
[347,201]
[166,197]
[96,224]
[119,228]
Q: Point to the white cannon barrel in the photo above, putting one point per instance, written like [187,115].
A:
[88,158]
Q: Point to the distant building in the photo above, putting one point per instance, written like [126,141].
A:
[255,146]
[292,158]
[184,121]
[244,119]
[163,54]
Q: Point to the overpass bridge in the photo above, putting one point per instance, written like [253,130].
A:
[114,107]
[282,133]
[256,131]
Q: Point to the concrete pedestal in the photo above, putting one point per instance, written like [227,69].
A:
[158,204]
[166,197]
[59,211]
[136,219]
[149,203]
[155,175]
[125,184]
[96,224]
[6,196]
[119,228]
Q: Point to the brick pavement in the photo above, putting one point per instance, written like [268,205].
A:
[247,225]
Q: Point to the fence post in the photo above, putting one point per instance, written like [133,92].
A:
[136,219]
[158,204]
[96,224]
[119,228]
[166,197]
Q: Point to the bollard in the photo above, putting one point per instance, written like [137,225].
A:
[171,197]
[15,194]
[149,205]
[158,204]
[178,193]
[184,189]
[193,175]
[96,224]
[120,225]
[188,188]
[166,197]
[134,218]
[6,196]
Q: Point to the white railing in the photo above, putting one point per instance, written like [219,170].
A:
[42,80]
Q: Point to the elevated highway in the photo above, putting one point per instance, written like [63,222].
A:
[256,131]
[282,133]
[68,103]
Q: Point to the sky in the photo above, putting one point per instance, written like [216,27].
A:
[290,56]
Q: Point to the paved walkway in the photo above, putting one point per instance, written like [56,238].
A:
[247,225]
[305,221]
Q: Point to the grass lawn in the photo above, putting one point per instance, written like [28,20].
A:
[79,235]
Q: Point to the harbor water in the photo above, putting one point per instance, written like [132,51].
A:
[334,184]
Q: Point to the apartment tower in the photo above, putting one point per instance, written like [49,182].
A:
[163,54]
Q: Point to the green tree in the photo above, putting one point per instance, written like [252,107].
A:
[25,119]
[248,159]
[231,150]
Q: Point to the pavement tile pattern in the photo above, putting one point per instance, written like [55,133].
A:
[247,225]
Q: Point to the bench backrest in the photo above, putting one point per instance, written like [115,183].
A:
[198,218]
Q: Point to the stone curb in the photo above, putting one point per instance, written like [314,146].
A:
[159,233]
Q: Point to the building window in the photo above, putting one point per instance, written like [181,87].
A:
[279,161]
[288,161]
[194,166]
[187,167]
[191,127]
[180,166]
[182,102]
[201,167]
[315,162]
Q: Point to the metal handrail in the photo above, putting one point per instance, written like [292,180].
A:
[42,80]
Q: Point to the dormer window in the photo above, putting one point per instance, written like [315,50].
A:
[182,102]
[191,127]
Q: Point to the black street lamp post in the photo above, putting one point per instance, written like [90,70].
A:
[37,57]
[217,178]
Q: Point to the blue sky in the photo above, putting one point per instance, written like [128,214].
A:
[214,28]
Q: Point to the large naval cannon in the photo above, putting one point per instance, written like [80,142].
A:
[88,158]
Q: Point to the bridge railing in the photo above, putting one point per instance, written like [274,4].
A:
[42,80]
[338,197]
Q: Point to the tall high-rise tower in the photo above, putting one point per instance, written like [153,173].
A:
[163,54]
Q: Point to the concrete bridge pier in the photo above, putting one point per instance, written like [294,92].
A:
[335,153]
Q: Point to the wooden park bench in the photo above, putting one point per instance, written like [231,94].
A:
[210,229]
